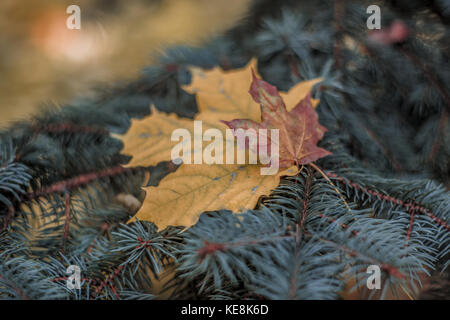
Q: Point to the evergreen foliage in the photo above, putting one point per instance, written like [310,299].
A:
[381,198]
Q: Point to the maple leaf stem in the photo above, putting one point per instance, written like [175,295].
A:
[320,171]
[406,292]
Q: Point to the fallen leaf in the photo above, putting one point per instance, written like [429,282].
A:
[148,140]
[224,94]
[183,195]
[299,129]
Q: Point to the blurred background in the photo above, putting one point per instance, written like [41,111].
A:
[42,62]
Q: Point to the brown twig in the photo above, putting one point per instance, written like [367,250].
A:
[15,287]
[8,218]
[323,174]
[409,205]
[107,280]
[411,223]
[67,185]
[391,270]
[338,16]
[67,219]
[211,247]
[69,128]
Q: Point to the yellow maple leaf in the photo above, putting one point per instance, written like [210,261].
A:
[298,92]
[182,196]
[224,94]
[149,139]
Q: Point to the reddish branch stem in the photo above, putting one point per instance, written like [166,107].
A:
[305,201]
[343,225]
[406,204]
[67,221]
[65,278]
[8,218]
[70,127]
[387,153]
[411,223]
[80,180]
[391,270]
[338,16]
[107,280]
[293,65]
[17,289]
[143,243]
[442,124]
[211,247]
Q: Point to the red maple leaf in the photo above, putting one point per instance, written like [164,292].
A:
[299,129]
